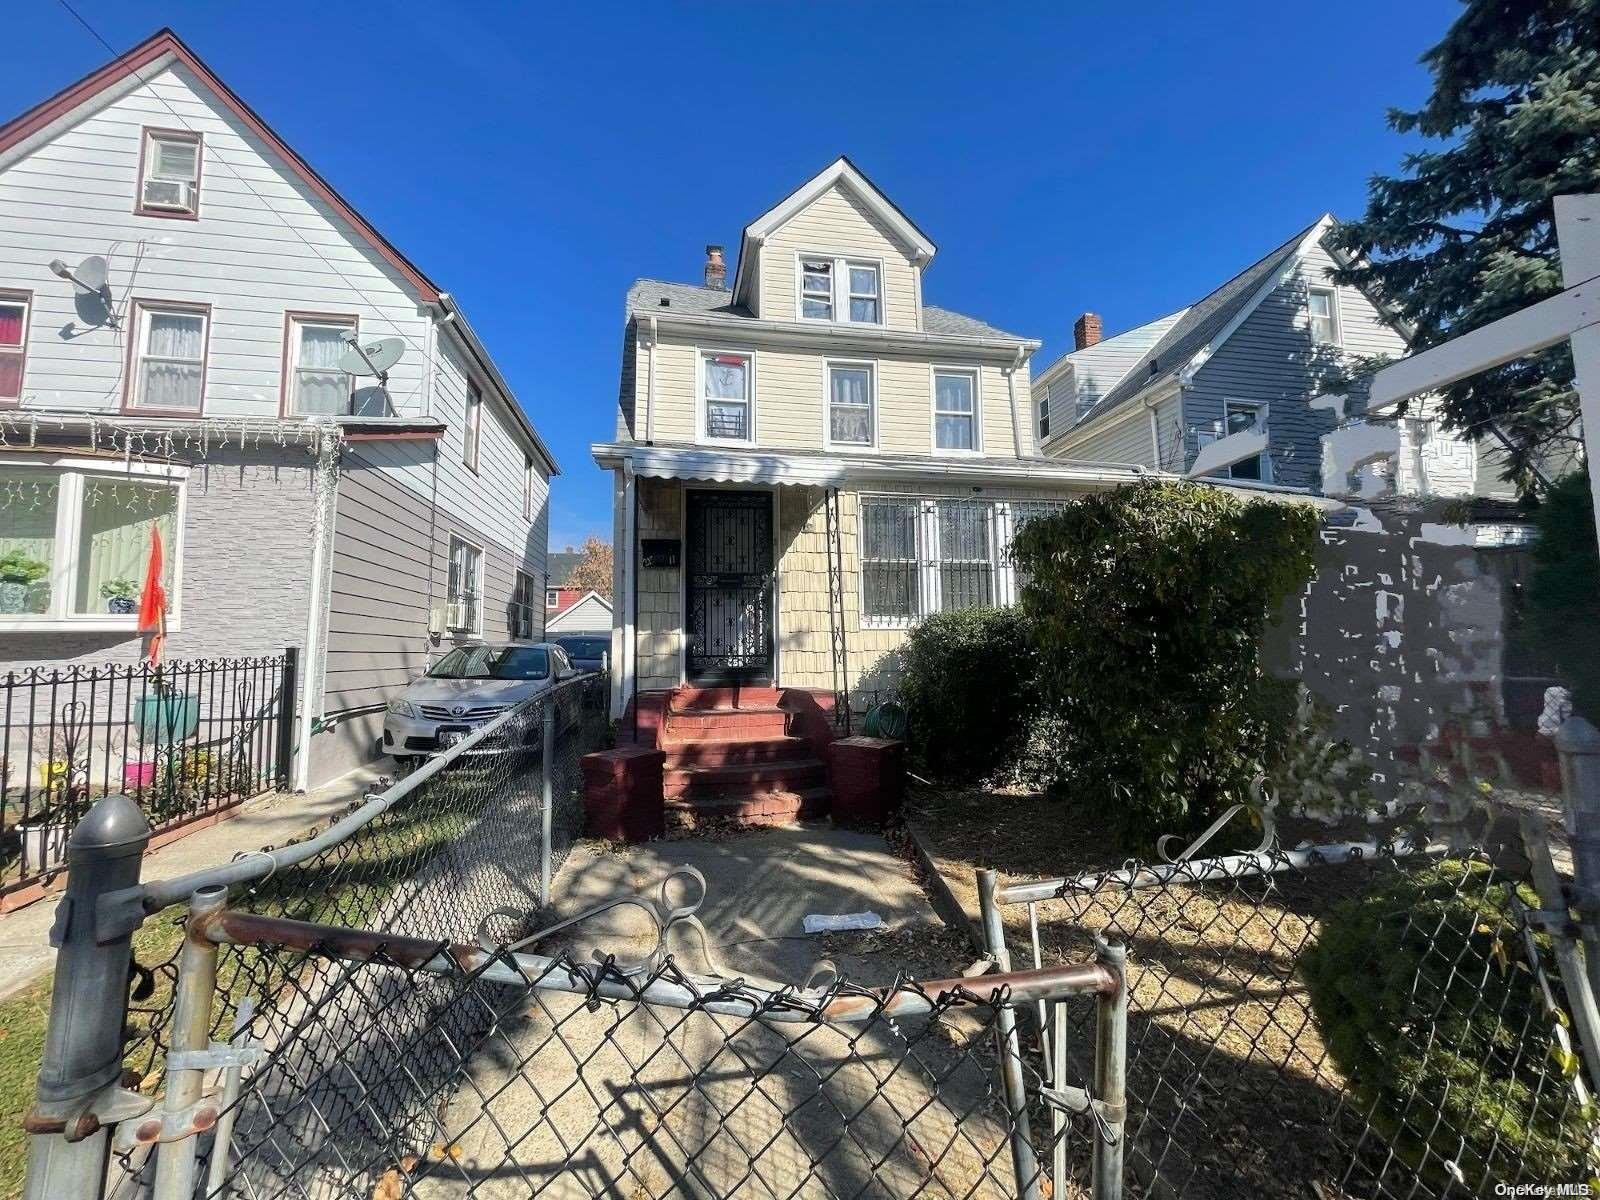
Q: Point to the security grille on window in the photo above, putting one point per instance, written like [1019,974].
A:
[317,387]
[13,349]
[727,396]
[850,402]
[864,293]
[464,593]
[816,289]
[171,182]
[965,554]
[169,359]
[890,566]
[1022,512]
[955,419]
[1323,306]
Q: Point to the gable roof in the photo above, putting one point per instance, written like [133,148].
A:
[841,171]
[153,55]
[1207,322]
[559,565]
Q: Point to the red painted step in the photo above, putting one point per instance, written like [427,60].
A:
[743,724]
[724,751]
[691,696]
[758,810]
[743,778]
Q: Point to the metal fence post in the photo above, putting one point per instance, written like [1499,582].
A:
[177,1159]
[79,1096]
[547,715]
[1110,1074]
[1023,1160]
[1579,745]
[288,685]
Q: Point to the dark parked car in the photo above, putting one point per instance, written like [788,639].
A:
[588,651]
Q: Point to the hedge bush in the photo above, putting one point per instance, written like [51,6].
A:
[1148,605]
[1562,589]
[1426,1006]
[970,686]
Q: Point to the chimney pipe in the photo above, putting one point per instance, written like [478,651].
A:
[716,269]
[1086,330]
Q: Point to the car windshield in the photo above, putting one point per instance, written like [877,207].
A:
[585,647]
[493,662]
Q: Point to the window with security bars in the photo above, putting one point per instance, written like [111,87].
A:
[965,560]
[890,564]
[1022,512]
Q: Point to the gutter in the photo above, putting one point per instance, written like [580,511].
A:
[452,315]
[834,335]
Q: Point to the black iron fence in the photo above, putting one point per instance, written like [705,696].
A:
[185,740]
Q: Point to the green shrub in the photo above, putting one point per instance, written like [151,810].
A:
[970,686]
[1428,1009]
[1563,586]
[1148,605]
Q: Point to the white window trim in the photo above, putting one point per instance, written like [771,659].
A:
[69,520]
[552,598]
[297,323]
[701,409]
[1041,416]
[976,375]
[842,262]
[143,310]
[873,620]
[477,582]
[871,445]
[1332,293]
[148,158]
[472,426]
[1263,412]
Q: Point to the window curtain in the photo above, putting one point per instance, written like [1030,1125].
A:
[10,324]
[28,503]
[114,543]
[320,387]
[11,321]
[726,404]
[174,383]
[851,415]
[889,560]
[966,570]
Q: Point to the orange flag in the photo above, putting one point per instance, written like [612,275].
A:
[153,600]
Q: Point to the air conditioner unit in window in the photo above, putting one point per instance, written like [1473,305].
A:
[458,615]
[169,193]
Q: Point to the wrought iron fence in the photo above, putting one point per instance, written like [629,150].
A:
[1360,1019]
[184,739]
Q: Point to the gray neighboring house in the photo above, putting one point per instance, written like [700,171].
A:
[1228,387]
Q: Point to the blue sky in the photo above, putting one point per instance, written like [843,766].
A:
[534,159]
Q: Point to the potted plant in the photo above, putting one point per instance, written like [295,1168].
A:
[63,785]
[118,595]
[23,587]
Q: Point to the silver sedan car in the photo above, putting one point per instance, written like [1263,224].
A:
[465,688]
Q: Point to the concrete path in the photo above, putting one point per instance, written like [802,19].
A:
[269,820]
[642,1102]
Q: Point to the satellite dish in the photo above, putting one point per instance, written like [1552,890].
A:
[89,282]
[373,357]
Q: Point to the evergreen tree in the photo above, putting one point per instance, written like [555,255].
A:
[1466,234]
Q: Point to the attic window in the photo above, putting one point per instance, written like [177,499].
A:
[169,174]
[665,302]
[1154,367]
[816,290]
[840,289]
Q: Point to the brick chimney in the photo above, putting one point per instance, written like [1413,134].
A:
[1086,330]
[716,269]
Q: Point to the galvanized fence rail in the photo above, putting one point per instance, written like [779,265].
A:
[1360,1019]
[185,740]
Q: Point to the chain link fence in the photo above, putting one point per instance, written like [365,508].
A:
[1351,1020]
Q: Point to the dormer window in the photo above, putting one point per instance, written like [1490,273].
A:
[840,289]
[169,174]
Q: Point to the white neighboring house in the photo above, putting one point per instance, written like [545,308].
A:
[1229,387]
[370,524]
[591,613]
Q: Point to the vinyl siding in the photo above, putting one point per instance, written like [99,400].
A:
[836,223]
[1080,378]
[1118,441]
[790,388]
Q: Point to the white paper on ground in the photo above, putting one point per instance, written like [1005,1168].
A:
[838,922]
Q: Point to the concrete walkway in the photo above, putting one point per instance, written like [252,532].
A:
[269,820]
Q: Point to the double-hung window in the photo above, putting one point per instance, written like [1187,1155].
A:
[464,593]
[317,385]
[14,308]
[955,409]
[1323,306]
[725,389]
[169,178]
[890,565]
[1244,416]
[965,558]
[169,357]
[472,427]
[75,543]
[1044,413]
[522,609]
[852,419]
[840,289]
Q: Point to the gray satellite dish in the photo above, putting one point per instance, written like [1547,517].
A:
[373,357]
[90,285]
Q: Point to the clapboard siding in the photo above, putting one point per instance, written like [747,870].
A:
[1122,441]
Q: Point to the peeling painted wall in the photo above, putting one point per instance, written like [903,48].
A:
[1401,629]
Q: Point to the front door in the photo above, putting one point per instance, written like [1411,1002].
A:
[728,586]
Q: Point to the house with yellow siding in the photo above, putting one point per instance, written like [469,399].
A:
[810,460]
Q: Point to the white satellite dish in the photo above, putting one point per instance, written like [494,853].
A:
[373,357]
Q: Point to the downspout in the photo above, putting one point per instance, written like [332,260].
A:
[633,595]
[650,386]
[325,480]
[1011,390]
